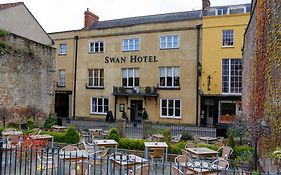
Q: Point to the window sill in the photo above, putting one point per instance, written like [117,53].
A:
[170,117]
[60,86]
[176,48]
[94,87]
[233,94]
[96,52]
[227,46]
[62,54]
[94,113]
[168,88]
[130,50]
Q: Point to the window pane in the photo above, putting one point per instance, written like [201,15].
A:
[164,103]
[177,104]
[169,77]
[177,112]
[137,81]
[124,81]
[169,42]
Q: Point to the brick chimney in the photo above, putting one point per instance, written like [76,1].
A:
[89,18]
[205,6]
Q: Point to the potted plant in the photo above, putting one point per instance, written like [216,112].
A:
[144,115]
[124,116]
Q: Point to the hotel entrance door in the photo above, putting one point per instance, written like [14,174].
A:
[136,110]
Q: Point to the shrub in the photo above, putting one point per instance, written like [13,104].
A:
[3,32]
[212,147]
[167,135]
[176,148]
[230,140]
[52,120]
[113,134]
[185,136]
[132,144]
[72,135]
[1,130]
[30,123]
[58,136]
[124,115]
[13,125]
[243,153]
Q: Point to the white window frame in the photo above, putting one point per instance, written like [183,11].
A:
[166,77]
[227,38]
[165,37]
[229,80]
[127,42]
[63,51]
[97,98]
[217,12]
[94,47]
[173,116]
[127,76]
[61,81]
[93,78]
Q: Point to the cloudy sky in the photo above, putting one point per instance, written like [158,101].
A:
[61,15]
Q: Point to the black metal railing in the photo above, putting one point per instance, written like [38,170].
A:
[135,91]
[23,160]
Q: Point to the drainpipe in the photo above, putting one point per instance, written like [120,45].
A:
[76,38]
[198,67]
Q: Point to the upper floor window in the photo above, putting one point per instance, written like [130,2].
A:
[227,38]
[169,42]
[99,105]
[169,76]
[221,11]
[61,81]
[96,78]
[170,108]
[130,77]
[234,10]
[231,76]
[96,47]
[132,44]
[63,49]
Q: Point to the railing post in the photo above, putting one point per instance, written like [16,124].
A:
[147,127]
[1,154]
[122,127]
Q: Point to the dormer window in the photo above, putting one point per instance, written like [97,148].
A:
[221,11]
[235,10]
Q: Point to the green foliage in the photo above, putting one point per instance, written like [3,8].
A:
[4,32]
[52,120]
[186,136]
[212,147]
[72,135]
[124,115]
[243,153]
[230,139]
[113,134]
[277,153]
[1,130]
[13,125]
[132,144]
[31,51]
[176,148]
[167,135]
[30,123]
[144,115]
[58,136]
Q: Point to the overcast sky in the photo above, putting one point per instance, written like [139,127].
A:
[61,15]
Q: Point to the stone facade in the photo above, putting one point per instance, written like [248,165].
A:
[26,76]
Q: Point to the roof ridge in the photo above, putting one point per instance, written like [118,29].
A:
[9,5]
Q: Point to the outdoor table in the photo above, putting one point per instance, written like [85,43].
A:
[43,137]
[99,130]
[59,128]
[202,168]
[158,136]
[207,139]
[12,133]
[128,161]
[202,152]
[149,145]
[106,143]
[71,156]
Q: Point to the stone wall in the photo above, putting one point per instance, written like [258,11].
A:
[26,76]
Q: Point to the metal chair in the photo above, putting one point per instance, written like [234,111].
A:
[226,152]
[178,171]
[157,153]
[70,148]
[140,170]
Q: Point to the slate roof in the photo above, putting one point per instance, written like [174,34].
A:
[125,22]
[211,11]
[9,5]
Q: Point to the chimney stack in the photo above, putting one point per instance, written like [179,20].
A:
[89,19]
[205,6]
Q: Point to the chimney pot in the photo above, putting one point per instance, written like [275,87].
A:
[205,6]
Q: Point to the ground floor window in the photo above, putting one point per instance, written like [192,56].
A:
[170,108]
[99,105]
[228,111]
